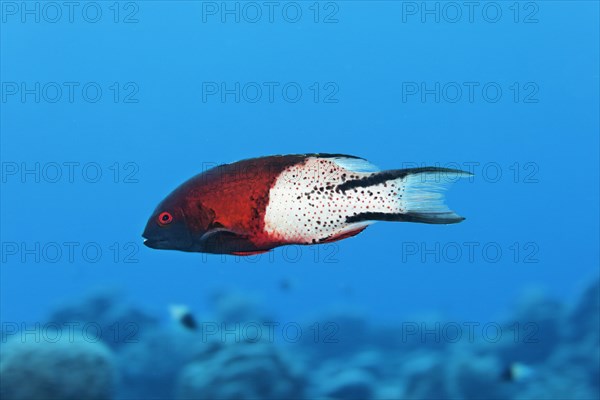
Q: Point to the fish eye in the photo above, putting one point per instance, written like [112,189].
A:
[165,218]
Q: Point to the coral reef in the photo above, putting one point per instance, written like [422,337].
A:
[339,355]
[118,322]
[69,368]
[242,371]
[150,366]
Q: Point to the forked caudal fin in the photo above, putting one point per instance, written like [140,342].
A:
[417,195]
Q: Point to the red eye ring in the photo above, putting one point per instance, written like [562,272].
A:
[165,218]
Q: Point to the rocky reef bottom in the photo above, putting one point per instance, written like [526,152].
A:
[99,348]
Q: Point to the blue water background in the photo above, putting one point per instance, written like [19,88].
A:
[171,134]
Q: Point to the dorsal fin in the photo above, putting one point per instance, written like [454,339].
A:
[354,164]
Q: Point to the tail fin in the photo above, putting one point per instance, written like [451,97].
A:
[420,196]
[422,199]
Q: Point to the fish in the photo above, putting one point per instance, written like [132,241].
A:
[517,372]
[183,316]
[255,205]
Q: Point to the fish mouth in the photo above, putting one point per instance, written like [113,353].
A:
[161,241]
[156,244]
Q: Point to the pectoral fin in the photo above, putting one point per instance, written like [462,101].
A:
[225,241]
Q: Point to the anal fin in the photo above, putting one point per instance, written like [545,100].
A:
[346,233]
[248,253]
